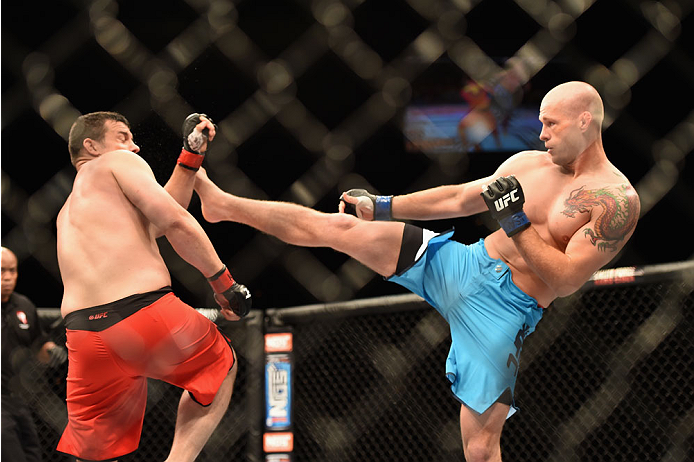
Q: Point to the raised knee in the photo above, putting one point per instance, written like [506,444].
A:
[482,448]
[343,221]
[333,228]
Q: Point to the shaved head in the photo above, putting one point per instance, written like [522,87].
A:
[9,259]
[574,98]
[571,114]
[9,256]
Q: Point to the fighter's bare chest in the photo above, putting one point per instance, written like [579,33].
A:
[550,209]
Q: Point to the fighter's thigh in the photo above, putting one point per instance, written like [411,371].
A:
[483,429]
[192,354]
[376,244]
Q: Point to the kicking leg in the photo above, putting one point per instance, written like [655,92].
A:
[195,423]
[374,244]
[482,432]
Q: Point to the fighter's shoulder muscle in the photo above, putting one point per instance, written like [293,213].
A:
[614,180]
[126,168]
[123,159]
[523,161]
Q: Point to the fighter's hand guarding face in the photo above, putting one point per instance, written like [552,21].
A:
[504,198]
[198,131]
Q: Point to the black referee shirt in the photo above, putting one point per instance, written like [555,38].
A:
[22,337]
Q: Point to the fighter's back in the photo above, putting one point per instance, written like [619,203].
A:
[106,247]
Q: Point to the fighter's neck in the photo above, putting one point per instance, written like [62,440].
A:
[591,160]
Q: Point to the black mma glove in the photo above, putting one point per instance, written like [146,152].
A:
[191,157]
[57,356]
[504,198]
[380,206]
[229,293]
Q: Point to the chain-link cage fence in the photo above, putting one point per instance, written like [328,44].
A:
[606,377]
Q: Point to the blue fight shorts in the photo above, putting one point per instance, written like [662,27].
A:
[489,316]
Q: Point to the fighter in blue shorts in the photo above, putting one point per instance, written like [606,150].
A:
[488,314]
[551,240]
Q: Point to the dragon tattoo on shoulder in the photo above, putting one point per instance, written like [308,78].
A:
[620,212]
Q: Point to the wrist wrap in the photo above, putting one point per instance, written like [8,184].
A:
[221,280]
[383,208]
[190,160]
[514,224]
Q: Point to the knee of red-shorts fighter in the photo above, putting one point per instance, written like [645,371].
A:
[225,388]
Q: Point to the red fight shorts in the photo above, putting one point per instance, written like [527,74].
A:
[114,348]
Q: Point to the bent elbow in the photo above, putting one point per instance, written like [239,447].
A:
[566,288]
[174,223]
[565,291]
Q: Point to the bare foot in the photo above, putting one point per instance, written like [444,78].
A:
[211,197]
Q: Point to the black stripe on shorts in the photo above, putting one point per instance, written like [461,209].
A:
[101,317]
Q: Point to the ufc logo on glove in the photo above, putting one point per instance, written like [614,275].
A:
[508,208]
[502,203]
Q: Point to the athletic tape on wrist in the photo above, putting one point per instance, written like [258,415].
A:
[515,223]
[221,280]
[383,208]
[190,160]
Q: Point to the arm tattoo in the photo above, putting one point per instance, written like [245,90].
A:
[620,211]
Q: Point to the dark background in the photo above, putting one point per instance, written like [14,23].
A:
[157,61]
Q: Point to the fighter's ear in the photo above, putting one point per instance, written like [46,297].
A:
[90,146]
[585,119]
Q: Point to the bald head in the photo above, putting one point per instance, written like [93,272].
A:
[574,98]
[8,257]
[9,273]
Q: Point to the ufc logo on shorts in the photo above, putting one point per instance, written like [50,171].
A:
[502,202]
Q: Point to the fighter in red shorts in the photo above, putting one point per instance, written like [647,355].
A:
[123,322]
